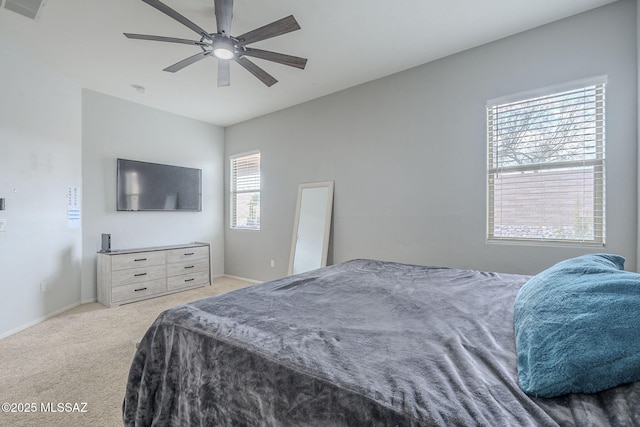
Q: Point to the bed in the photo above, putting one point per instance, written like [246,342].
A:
[362,343]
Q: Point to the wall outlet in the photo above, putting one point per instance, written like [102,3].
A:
[3,224]
[43,287]
[273,263]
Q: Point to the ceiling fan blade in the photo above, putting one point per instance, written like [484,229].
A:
[276,28]
[224,13]
[280,58]
[224,72]
[163,39]
[186,62]
[261,74]
[178,17]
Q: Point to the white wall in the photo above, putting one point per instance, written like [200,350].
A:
[408,153]
[115,128]
[40,148]
[55,136]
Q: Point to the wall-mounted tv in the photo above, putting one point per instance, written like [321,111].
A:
[144,186]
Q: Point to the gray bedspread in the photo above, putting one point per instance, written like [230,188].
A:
[363,343]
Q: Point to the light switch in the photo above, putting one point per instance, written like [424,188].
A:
[3,224]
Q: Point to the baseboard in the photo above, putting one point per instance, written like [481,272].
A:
[39,320]
[240,278]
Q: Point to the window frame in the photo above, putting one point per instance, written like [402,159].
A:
[598,163]
[233,192]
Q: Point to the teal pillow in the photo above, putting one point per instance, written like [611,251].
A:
[577,327]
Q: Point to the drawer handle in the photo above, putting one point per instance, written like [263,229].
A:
[140,289]
[190,253]
[190,266]
[189,280]
[140,259]
[140,274]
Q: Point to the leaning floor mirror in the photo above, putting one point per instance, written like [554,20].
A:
[312,225]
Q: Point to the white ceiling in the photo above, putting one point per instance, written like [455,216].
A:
[347,42]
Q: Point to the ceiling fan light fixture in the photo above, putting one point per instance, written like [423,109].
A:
[222,45]
[223,48]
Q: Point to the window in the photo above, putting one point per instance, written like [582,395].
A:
[245,191]
[546,165]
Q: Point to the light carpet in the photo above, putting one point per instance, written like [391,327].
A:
[71,370]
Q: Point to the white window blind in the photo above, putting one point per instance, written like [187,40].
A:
[245,191]
[546,171]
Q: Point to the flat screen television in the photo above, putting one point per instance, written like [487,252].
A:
[144,186]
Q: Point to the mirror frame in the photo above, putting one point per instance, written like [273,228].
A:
[327,223]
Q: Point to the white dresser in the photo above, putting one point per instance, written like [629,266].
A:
[130,275]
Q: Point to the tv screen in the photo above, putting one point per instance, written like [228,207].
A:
[144,186]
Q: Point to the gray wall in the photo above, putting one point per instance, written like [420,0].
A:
[40,145]
[113,128]
[408,153]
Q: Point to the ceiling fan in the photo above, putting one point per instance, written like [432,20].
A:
[225,47]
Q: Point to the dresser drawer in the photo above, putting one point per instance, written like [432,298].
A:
[138,259]
[179,255]
[185,267]
[188,280]
[137,275]
[138,290]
